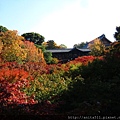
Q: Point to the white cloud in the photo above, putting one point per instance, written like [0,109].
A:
[76,22]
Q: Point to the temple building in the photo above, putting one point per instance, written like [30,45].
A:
[102,38]
[68,54]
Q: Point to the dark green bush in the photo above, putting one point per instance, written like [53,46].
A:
[98,93]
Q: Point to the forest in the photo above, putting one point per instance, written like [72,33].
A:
[32,83]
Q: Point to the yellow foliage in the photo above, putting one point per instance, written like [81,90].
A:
[14,48]
[97,48]
[44,43]
[10,36]
[1,46]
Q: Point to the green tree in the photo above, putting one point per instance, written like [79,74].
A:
[42,47]
[117,34]
[80,45]
[36,38]
[51,44]
[47,55]
[3,29]
[63,46]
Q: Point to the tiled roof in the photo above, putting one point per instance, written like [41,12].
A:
[67,50]
[59,50]
[102,37]
[85,50]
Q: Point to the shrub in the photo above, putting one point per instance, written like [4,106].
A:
[47,85]
[54,61]
[97,93]
[12,83]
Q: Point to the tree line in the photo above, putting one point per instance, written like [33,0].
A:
[39,42]
[97,49]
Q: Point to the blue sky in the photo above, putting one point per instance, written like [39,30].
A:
[65,21]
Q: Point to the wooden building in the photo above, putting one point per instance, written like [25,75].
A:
[102,38]
[68,54]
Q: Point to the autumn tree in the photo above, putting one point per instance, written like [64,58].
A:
[97,48]
[14,48]
[34,54]
[12,45]
[1,46]
[36,38]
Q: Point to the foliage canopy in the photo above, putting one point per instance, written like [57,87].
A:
[36,38]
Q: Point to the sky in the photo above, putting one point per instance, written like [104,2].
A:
[66,22]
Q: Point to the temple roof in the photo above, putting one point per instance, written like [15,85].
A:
[85,48]
[102,38]
[67,50]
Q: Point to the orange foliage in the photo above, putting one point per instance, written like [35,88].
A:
[14,48]
[12,81]
[13,74]
[33,53]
